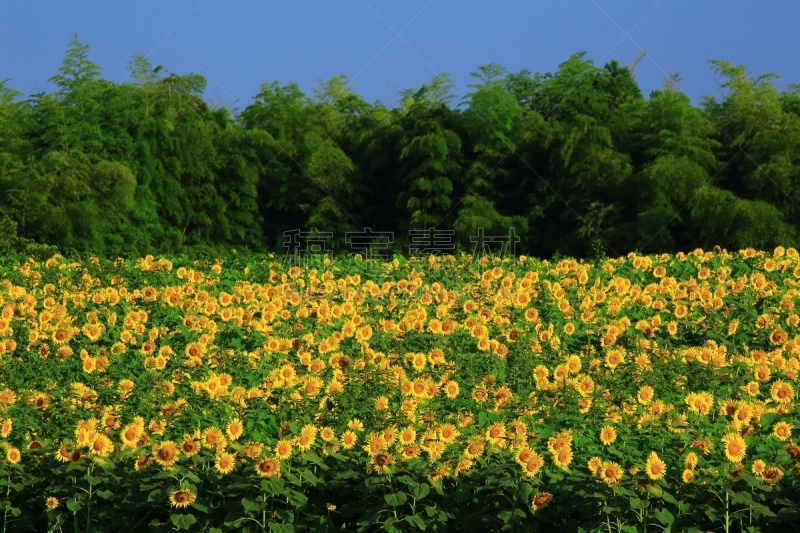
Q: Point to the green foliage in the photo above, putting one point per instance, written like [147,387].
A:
[566,158]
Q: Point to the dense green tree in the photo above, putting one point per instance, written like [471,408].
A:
[572,160]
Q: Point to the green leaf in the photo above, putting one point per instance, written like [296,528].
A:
[420,491]
[636,503]
[415,520]
[233,518]
[183,521]
[396,499]
[525,490]
[250,505]
[664,516]
[298,499]
[388,525]
[669,498]
[281,528]
[105,494]
[74,505]
[273,485]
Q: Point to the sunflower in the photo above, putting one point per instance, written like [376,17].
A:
[381,403]
[213,438]
[563,458]
[735,447]
[419,361]
[594,465]
[782,430]
[691,460]
[224,463]
[234,429]
[533,465]
[475,448]
[166,454]
[773,475]
[687,476]
[611,473]
[407,436]
[304,441]
[782,392]
[645,395]
[63,454]
[541,500]
[742,415]
[448,433]
[434,451]
[269,468]
[5,430]
[253,449]
[130,435]
[375,444]
[758,468]
[13,455]
[101,446]
[182,498]
[381,463]
[189,446]
[283,449]
[349,439]
[356,425]
[451,390]
[327,434]
[390,435]
[608,435]
[143,462]
[464,465]
[655,467]
[496,433]
[51,503]
[410,452]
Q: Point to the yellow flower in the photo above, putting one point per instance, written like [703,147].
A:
[349,439]
[782,430]
[213,438]
[782,392]
[655,468]
[380,464]
[182,498]
[687,476]
[611,473]
[496,434]
[51,503]
[608,435]
[563,457]
[12,455]
[234,429]
[166,454]
[381,403]
[451,389]
[356,425]
[645,395]
[691,460]
[283,449]
[101,445]
[224,463]
[269,468]
[734,447]
[758,468]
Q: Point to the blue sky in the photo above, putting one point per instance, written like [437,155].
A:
[238,45]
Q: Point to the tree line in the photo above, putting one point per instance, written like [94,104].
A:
[578,162]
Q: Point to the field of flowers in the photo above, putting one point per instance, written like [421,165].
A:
[646,393]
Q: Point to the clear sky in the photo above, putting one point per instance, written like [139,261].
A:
[238,45]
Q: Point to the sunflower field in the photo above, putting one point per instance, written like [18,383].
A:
[644,393]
